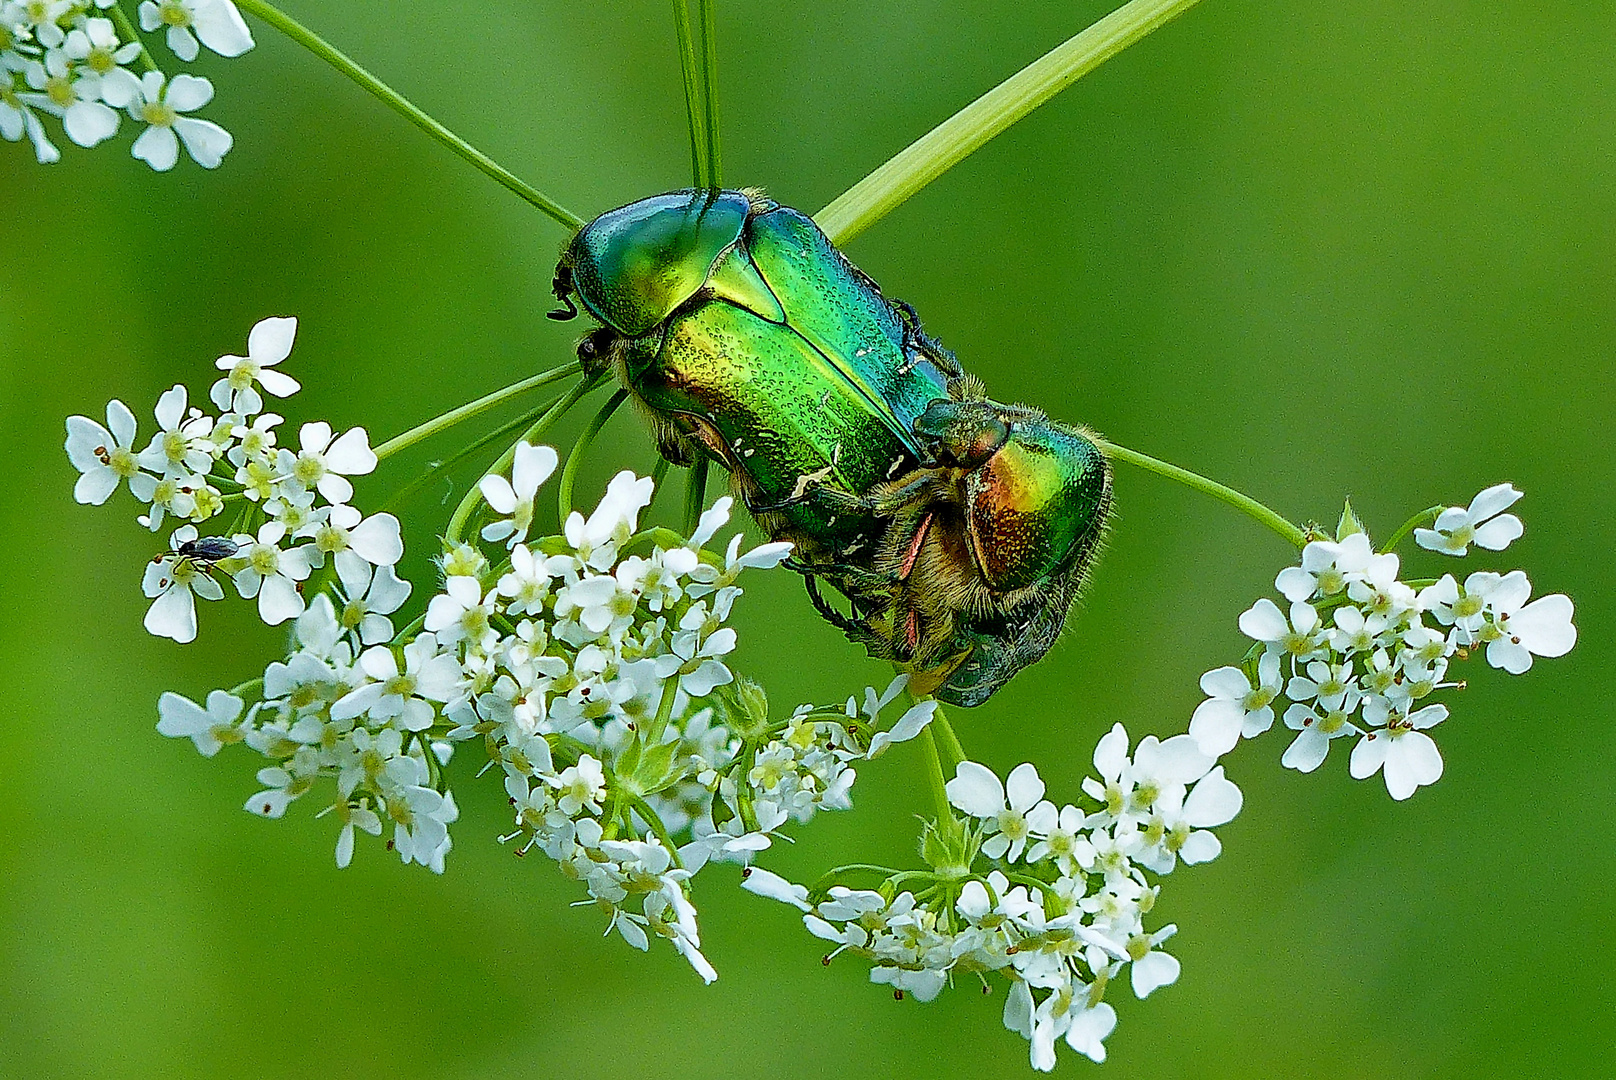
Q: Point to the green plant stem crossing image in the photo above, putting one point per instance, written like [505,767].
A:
[942,717]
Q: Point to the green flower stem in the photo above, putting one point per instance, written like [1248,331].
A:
[519,423]
[401,105]
[415,626]
[127,31]
[569,471]
[463,512]
[253,685]
[709,95]
[659,473]
[934,769]
[1424,517]
[695,495]
[655,822]
[693,112]
[664,713]
[946,145]
[444,421]
[1244,503]
[951,743]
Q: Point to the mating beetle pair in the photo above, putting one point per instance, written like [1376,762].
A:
[958,529]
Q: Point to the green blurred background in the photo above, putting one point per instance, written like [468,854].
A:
[1311,249]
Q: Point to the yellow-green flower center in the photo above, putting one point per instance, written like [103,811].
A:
[158,114]
[331,538]
[123,463]
[173,13]
[309,469]
[100,60]
[59,88]
[265,559]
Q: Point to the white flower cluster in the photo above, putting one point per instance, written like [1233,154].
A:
[291,515]
[60,59]
[592,665]
[1359,651]
[362,719]
[1055,900]
[594,670]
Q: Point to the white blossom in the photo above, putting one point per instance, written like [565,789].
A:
[269,342]
[514,498]
[173,581]
[1409,756]
[162,107]
[325,462]
[1482,523]
[106,458]
[216,22]
[272,573]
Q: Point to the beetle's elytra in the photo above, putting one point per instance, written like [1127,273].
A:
[958,529]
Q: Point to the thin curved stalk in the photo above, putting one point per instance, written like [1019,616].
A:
[699,169]
[695,494]
[444,421]
[1424,517]
[402,105]
[569,471]
[518,423]
[950,741]
[126,31]
[934,773]
[709,91]
[1242,502]
[950,142]
[473,498]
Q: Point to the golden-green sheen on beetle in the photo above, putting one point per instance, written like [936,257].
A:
[957,529]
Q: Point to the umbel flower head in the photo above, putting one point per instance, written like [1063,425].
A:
[596,670]
[1359,652]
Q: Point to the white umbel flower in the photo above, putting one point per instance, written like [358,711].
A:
[272,573]
[173,581]
[216,22]
[269,342]
[1403,751]
[1236,709]
[106,458]
[1002,808]
[1482,523]
[76,99]
[324,462]
[531,467]
[210,729]
[162,107]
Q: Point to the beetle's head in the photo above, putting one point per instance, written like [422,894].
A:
[962,434]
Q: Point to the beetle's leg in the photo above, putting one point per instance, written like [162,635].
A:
[830,614]
[832,498]
[918,487]
[916,334]
[857,577]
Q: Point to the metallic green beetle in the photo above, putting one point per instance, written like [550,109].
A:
[958,529]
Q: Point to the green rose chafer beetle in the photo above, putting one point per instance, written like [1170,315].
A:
[958,529]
